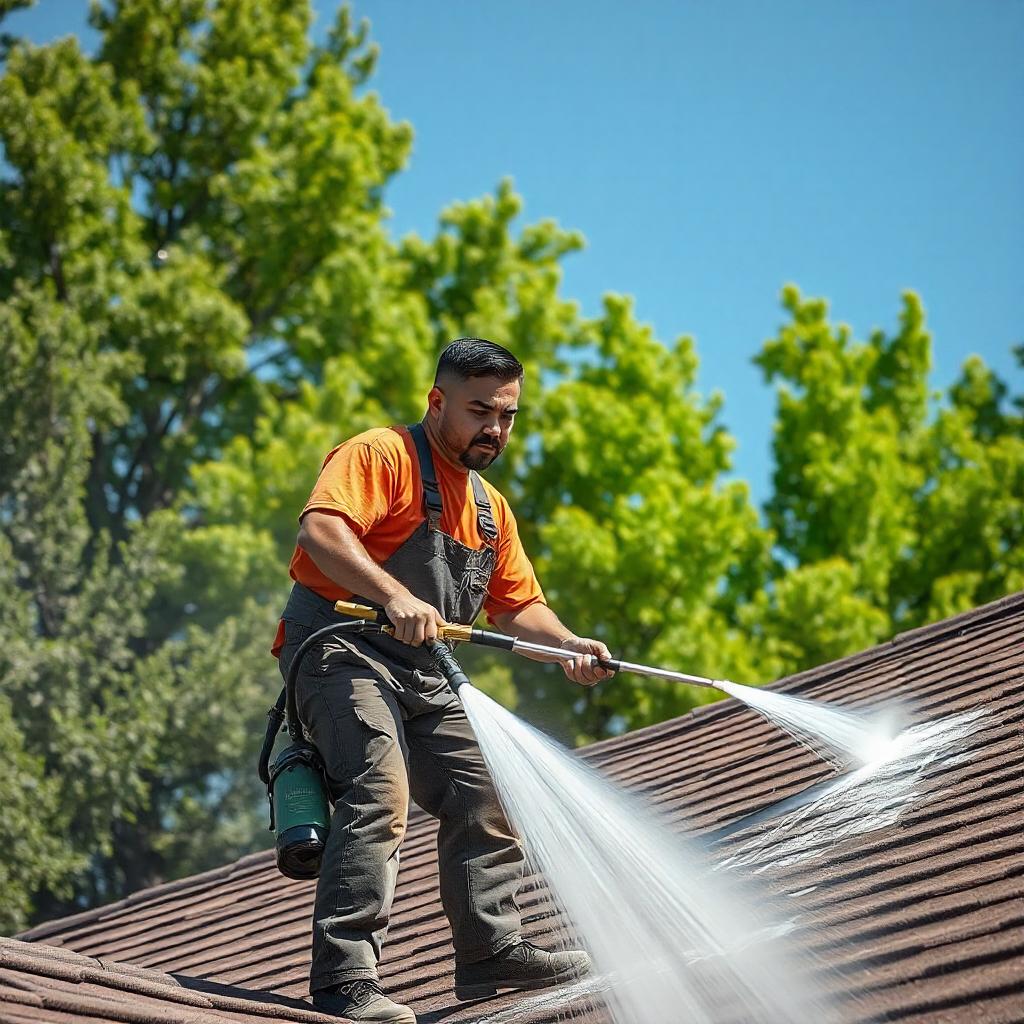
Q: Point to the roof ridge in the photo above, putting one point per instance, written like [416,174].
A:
[45,928]
[61,962]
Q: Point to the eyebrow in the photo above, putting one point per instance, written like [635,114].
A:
[490,405]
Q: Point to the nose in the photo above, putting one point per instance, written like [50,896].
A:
[493,428]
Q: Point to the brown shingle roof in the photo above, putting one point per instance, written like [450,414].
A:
[919,920]
[39,982]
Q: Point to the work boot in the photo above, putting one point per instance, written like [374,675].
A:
[520,966]
[360,1000]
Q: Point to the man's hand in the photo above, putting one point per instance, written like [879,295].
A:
[414,620]
[584,669]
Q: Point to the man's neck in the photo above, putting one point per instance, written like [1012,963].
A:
[438,448]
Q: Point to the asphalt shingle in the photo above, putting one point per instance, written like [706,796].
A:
[919,920]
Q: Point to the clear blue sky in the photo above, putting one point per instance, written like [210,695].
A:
[711,152]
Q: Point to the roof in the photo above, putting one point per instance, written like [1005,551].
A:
[916,915]
[46,983]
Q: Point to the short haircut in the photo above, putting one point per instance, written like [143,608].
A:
[477,357]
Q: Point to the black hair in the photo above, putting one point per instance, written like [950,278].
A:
[478,357]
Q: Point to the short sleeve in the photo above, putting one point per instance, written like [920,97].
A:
[514,585]
[357,481]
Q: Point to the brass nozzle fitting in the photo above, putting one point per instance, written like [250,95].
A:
[454,631]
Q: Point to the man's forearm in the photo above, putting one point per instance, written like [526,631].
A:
[536,623]
[339,554]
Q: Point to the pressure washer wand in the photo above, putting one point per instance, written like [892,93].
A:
[467,634]
[481,636]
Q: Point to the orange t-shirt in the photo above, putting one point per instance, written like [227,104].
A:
[373,482]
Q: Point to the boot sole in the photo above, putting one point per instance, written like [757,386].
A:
[404,1017]
[484,989]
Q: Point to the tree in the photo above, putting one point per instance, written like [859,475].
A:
[888,513]
[190,225]
[198,296]
[637,538]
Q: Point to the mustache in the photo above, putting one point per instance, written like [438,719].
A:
[488,442]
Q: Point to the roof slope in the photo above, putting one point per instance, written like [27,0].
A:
[39,982]
[918,919]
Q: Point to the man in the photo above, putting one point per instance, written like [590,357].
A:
[400,518]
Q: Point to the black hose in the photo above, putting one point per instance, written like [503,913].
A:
[285,710]
[276,716]
[446,663]
[489,639]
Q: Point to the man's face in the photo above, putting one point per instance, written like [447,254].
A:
[473,418]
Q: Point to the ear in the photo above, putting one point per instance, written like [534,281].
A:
[435,401]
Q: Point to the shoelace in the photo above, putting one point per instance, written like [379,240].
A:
[523,948]
[360,990]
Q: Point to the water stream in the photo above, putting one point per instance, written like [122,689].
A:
[846,738]
[871,797]
[671,939]
[680,929]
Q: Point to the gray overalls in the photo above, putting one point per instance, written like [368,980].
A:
[386,725]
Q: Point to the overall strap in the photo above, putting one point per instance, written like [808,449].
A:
[431,492]
[484,518]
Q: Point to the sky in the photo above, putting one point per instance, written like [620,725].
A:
[711,152]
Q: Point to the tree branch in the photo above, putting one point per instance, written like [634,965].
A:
[56,265]
[260,317]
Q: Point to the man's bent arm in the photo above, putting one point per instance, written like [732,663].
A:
[538,624]
[339,554]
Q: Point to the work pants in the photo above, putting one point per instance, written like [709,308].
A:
[385,733]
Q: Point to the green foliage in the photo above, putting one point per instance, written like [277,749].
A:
[36,855]
[812,615]
[634,535]
[850,414]
[894,514]
[191,231]
[7,6]
[199,297]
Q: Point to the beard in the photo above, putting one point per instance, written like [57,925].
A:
[471,457]
[480,458]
